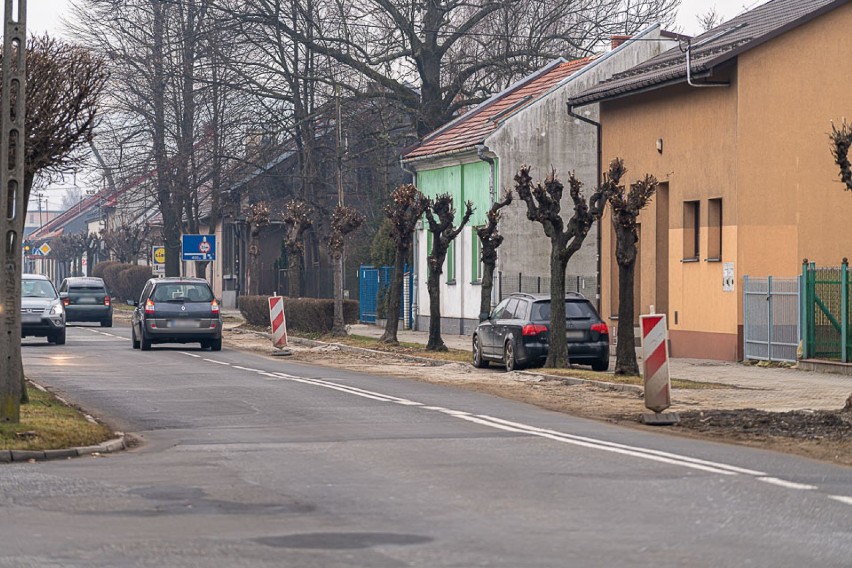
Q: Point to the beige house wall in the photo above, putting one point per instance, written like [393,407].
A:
[761,145]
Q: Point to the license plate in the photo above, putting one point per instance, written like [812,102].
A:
[575,335]
[30,318]
[86,300]
[183,323]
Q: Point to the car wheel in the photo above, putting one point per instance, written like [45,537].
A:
[133,341]
[601,365]
[509,356]
[216,344]
[144,342]
[59,338]
[106,323]
[478,360]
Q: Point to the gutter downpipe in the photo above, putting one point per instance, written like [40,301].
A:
[492,191]
[414,265]
[598,175]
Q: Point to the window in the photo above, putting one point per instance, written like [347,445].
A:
[451,263]
[691,232]
[475,257]
[714,230]
[511,307]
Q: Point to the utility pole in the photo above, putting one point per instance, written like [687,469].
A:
[12,207]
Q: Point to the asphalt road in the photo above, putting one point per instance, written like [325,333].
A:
[256,461]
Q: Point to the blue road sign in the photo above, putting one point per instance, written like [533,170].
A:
[199,247]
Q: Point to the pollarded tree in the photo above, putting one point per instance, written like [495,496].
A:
[406,207]
[490,240]
[544,205]
[626,206]
[443,233]
[126,240]
[258,219]
[344,221]
[298,218]
[841,140]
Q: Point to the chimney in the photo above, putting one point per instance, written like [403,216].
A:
[618,40]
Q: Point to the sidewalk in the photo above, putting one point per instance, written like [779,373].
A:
[768,388]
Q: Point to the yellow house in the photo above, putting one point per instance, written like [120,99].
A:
[734,124]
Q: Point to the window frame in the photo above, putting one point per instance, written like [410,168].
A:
[692,234]
[715,214]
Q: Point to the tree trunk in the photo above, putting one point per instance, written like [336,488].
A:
[254,267]
[339,325]
[433,284]
[625,353]
[487,287]
[201,269]
[392,325]
[294,275]
[557,354]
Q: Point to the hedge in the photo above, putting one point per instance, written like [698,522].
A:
[110,276]
[98,270]
[308,315]
[132,279]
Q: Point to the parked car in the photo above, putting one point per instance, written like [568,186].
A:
[176,310]
[517,333]
[86,299]
[42,314]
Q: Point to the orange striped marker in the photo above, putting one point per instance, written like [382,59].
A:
[655,362]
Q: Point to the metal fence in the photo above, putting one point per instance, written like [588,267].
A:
[374,285]
[826,312]
[771,318]
[518,282]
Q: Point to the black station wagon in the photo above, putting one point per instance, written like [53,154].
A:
[517,333]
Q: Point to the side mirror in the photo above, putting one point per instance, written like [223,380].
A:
[63,295]
[134,302]
[483,316]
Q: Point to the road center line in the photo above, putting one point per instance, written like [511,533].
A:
[217,362]
[192,355]
[841,498]
[787,484]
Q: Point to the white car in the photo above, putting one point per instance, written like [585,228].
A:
[42,314]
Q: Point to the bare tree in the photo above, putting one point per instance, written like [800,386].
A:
[344,221]
[709,19]
[298,218]
[490,240]
[626,206]
[63,84]
[404,210]
[443,233]
[439,57]
[544,205]
[258,219]
[126,241]
[841,140]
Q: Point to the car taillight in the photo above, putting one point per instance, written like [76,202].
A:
[214,307]
[533,329]
[149,307]
[106,300]
[600,328]
[66,301]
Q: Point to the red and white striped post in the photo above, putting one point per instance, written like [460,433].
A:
[279,323]
[655,364]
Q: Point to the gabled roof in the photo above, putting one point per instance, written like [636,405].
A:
[712,48]
[475,126]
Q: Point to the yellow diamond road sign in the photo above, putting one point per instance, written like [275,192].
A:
[44,249]
[158,253]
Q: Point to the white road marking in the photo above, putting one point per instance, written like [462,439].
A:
[787,484]
[191,355]
[520,428]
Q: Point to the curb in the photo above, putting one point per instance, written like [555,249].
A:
[108,447]
[435,363]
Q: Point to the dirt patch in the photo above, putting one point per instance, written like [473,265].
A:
[820,434]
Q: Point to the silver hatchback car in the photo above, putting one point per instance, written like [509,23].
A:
[42,314]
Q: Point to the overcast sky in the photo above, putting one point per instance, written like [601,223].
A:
[45,14]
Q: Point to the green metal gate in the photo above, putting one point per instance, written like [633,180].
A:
[825,312]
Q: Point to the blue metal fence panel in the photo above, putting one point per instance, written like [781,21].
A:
[369,294]
[374,286]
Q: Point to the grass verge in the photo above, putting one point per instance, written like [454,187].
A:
[49,424]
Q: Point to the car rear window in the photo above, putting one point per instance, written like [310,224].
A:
[86,289]
[182,292]
[573,310]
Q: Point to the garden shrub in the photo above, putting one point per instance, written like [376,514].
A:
[132,279]
[98,269]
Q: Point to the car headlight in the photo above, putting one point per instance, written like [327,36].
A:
[56,310]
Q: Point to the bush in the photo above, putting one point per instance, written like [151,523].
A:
[110,276]
[308,315]
[98,269]
[132,279]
